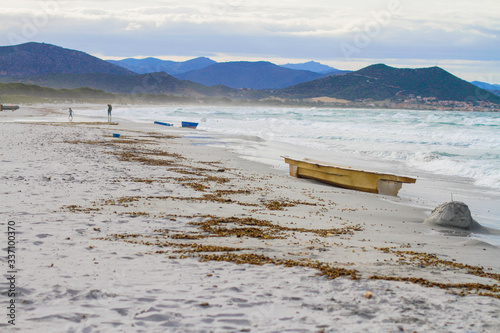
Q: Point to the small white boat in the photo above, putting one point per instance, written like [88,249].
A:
[346,177]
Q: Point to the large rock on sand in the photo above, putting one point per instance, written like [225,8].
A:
[453,214]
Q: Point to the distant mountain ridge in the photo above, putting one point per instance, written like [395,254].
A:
[209,77]
[316,67]
[245,74]
[380,82]
[38,59]
[153,65]
[486,86]
[492,88]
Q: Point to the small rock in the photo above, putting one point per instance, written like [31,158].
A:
[452,214]
[368,294]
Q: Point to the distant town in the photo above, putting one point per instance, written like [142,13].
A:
[412,102]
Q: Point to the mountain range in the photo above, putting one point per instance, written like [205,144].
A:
[486,86]
[152,65]
[316,67]
[56,67]
[493,88]
[237,74]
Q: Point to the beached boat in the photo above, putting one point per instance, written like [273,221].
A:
[8,107]
[346,177]
[162,123]
[189,124]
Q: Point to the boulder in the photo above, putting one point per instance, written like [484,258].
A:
[453,214]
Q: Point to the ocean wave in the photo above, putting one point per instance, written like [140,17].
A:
[461,144]
[483,173]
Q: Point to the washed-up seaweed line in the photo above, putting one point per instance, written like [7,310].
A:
[427,259]
[213,227]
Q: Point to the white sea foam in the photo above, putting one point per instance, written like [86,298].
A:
[461,144]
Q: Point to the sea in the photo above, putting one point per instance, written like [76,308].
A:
[453,155]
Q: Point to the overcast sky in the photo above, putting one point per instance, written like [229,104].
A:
[461,36]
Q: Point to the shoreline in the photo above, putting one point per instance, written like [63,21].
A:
[97,210]
[430,190]
[320,102]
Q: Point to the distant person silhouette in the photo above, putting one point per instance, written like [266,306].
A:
[109,112]
[70,116]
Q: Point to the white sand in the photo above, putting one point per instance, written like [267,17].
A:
[62,184]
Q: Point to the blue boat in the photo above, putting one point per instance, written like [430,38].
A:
[164,124]
[189,124]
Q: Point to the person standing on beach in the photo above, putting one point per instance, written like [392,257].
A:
[70,116]
[109,112]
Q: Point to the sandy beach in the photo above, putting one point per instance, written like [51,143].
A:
[154,231]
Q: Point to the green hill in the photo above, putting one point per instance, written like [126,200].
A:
[20,93]
[381,82]
[151,83]
[154,83]
[37,91]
